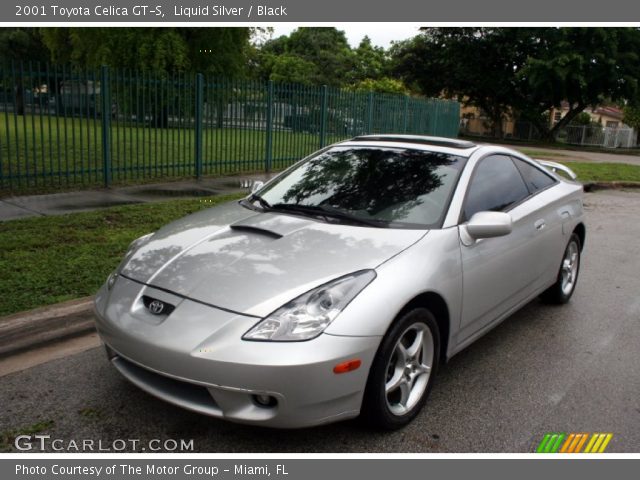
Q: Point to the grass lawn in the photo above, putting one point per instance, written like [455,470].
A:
[59,151]
[605,172]
[45,260]
[541,153]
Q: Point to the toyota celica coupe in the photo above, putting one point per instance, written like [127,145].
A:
[337,288]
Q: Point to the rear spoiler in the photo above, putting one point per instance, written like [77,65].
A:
[555,167]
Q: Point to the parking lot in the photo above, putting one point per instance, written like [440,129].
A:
[546,369]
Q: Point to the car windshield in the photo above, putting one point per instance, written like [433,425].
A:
[384,187]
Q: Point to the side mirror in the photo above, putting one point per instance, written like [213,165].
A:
[257,185]
[486,225]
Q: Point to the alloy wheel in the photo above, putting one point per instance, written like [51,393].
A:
[409,369]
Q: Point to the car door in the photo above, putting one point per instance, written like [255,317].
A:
[498,273]
[547,216]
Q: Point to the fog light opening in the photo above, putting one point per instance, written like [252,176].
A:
[265,401]
[111,354]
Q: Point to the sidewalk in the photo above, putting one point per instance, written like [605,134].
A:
[85,200]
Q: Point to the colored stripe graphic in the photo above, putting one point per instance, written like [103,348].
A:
[607,439]
[573,442]
[543,443]
[581,443]
[567,443]
[551,443]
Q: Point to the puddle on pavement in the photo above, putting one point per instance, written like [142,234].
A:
[159,192]
[97,204]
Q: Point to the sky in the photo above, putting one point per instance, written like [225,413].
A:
[381,34]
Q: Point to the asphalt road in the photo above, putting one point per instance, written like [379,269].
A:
[546,369]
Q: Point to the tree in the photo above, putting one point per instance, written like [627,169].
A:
[584,67]
[161,50]
[582,119]
[523,71]
[289,68]
[16,45]
[475,65]
[381,85]
[370,62]
[632,116]
[326,49]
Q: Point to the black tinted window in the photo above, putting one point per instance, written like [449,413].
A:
[535,178]
[495,186]
[394,186]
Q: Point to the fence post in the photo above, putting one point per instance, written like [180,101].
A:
[269,140]
[323,117]
[198,121]
[436,114]
[406,113]
[106,124]
[370,113]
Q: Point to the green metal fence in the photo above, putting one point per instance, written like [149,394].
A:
[63,127]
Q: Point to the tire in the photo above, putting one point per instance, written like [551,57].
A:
[391,405]
[560,292]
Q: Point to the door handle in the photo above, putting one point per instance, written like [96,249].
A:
[540,224]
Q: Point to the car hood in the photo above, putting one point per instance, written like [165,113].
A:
[253,262]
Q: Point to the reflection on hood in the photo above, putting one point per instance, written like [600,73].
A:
[262,255]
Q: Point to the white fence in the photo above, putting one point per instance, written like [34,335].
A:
[607,137]
[587,135]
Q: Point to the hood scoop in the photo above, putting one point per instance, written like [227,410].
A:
[254,229]
[272,225]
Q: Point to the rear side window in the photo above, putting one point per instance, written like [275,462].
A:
[534,177]
[495,186]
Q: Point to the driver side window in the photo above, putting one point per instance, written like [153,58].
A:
[496,185]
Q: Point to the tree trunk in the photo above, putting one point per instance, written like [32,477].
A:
[494,113]
[564,121]
[496,127]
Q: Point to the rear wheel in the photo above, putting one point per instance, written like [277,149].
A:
[402,373]
[561,291]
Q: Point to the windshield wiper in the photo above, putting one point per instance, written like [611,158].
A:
[327,212]
[257,198]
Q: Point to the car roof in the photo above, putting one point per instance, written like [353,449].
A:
[452,146]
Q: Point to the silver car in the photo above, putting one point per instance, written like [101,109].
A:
[338,288]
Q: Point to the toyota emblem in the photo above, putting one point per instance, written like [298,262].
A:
[156,307]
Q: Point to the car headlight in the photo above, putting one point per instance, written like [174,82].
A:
[133,246]
[111,279]
[310,314]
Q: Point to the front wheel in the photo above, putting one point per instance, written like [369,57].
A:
[561,291]
[402,373]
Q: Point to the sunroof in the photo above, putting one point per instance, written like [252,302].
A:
[423,140]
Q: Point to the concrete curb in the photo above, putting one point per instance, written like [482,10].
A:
[593,186]
[26,330]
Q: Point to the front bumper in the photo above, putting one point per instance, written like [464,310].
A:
[195,358]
